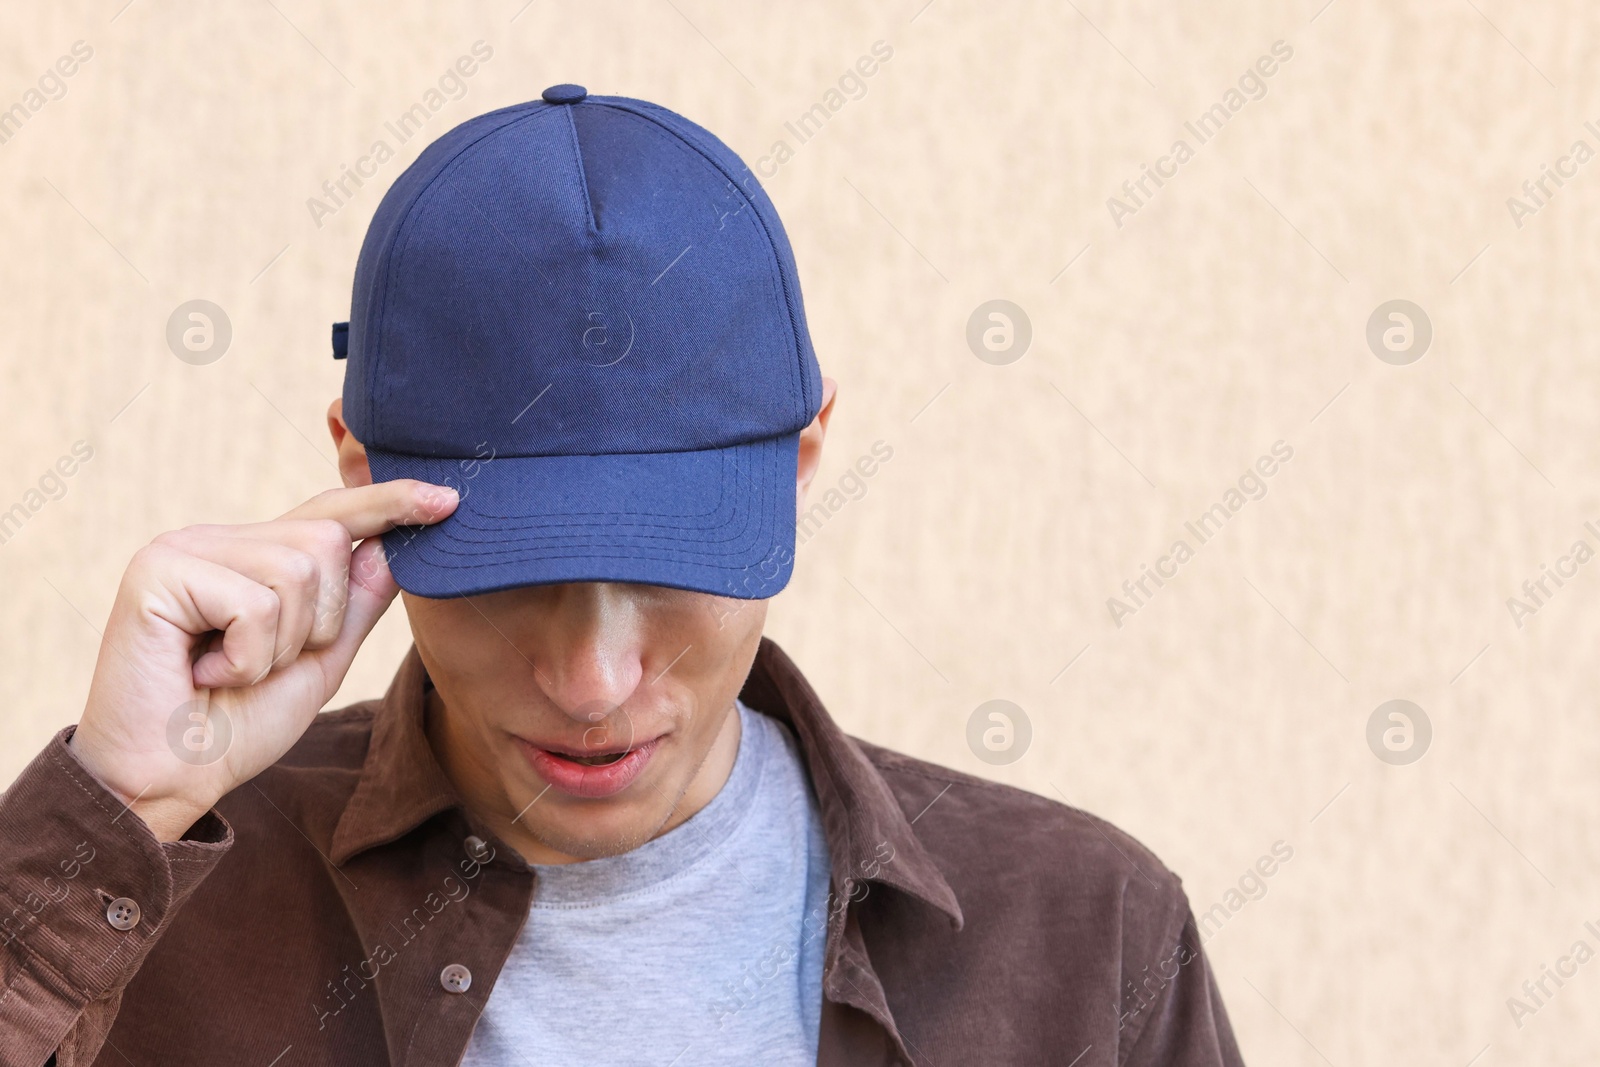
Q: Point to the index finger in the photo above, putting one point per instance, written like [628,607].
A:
[369,510]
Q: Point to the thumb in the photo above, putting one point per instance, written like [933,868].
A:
[369,592]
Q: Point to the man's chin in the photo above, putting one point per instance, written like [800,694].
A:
[593,830]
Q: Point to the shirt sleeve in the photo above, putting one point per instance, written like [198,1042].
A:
[1172,1012]
[86,890]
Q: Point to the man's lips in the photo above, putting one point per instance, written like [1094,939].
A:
[560,770]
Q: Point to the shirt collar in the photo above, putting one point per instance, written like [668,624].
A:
[401,783]
[869,837]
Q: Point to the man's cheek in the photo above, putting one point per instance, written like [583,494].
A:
[731,618]
[723,608]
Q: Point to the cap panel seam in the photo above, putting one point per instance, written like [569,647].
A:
[393,261]
[583,177]
[682,140]
[795,307]
[775,272]
[691,137]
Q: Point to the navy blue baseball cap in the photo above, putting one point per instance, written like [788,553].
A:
[583,314]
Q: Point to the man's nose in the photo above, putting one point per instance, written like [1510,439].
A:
[592,656]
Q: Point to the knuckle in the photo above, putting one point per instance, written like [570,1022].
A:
[261,609]
[330,538]
[148,561]
[300,570]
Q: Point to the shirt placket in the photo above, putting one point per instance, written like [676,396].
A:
[451,909]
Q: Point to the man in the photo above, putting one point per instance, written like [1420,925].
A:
[598,818]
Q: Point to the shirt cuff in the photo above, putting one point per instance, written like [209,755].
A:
[85,891]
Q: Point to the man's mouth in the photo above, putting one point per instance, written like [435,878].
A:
[593,761]
[588,773]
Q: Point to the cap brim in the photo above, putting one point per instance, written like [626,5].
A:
[718,521]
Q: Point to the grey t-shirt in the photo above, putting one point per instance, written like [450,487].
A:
[703,946]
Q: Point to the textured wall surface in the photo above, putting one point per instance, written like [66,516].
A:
[1178,335]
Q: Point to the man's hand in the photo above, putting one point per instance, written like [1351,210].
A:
[225,641]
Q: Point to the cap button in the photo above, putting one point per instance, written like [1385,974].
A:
[565,94]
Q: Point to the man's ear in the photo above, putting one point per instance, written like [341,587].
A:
[352,456]
[811,444]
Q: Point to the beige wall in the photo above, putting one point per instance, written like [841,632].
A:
[1226,313]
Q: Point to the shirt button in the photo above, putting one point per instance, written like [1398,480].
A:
[478,849]
[455,978]
[122,914]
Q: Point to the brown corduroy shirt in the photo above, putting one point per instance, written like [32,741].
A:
[326,912]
